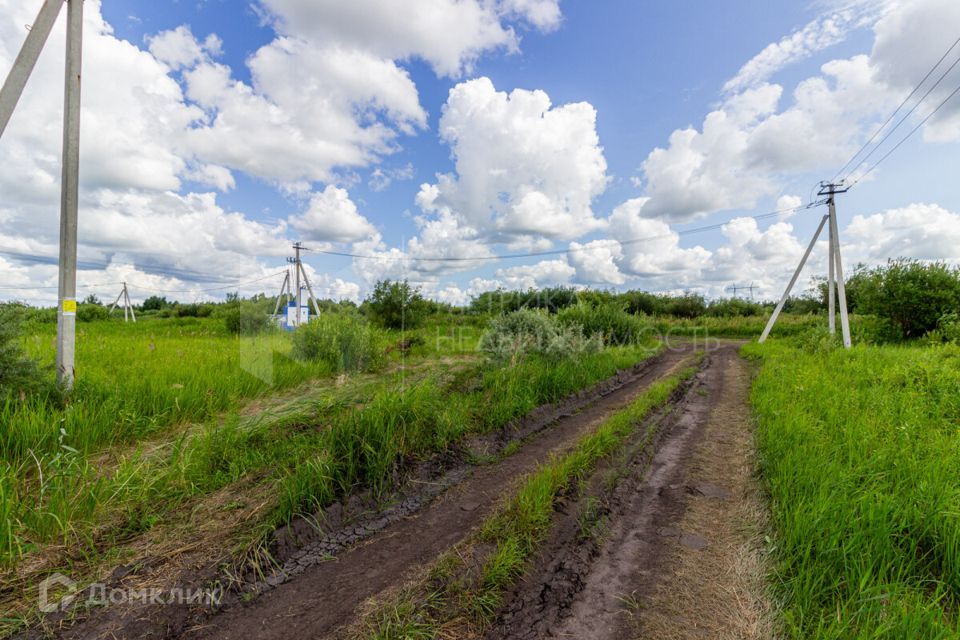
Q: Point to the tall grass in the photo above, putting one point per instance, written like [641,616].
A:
[861,454]
[50,492]
[135,379]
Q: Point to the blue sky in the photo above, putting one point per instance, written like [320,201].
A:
[647,71]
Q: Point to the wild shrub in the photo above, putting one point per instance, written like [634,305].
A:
[395,305]
[689,305]
[637,302]
[949,327]
[20,376]
[735,308]
[90,312]
[608,321]
[513,335]
[244,318]
[909,295]
[344,341]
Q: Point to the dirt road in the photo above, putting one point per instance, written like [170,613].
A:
[674,549]
[679,551]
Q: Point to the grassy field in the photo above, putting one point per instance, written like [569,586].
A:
[167,413]
[861,455]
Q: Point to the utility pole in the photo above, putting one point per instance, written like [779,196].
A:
[296,275]
[69,185]
[27,59]
[284,288]
[127,305]
[834,271]
[299,272]
[836,264]
[736,288]
[69,198]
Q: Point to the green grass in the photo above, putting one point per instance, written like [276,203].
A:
[861,455]
[343,437]
[516,529]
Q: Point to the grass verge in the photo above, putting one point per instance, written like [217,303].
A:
[860,452]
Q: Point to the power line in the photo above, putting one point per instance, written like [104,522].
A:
[552,252]
[904,139]
[897,110]
[908,114]
[229,286]
[175,272]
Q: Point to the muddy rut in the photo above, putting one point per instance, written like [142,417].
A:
[328,595]
[328,577]
[676,549]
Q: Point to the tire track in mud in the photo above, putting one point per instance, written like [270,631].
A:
[667,556]
[332,572]
[328,596]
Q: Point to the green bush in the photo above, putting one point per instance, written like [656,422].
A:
[395,305]
[949,326]
[910,296]
[642,302]
[609,321]
[689,305]
[155,303]
[735,308]
[513,335]
[19,375]
[91,312]
[244,318]
[342,340]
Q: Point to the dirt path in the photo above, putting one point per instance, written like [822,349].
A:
[677,547]
[328,595]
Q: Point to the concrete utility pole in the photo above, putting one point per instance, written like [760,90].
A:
[830,190]
[793,281]
[835,270]
[27,59]
[299,272]
[284,288]
[127,305]
[69,186]
[296,276]
[69,197]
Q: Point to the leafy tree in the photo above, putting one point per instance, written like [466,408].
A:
[155,303]
[909,295]
[395,304]
[689,305]
[642,302]
[92,299]
[734,307]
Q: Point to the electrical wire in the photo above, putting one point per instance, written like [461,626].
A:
[897,110]
[905,138]
[553,252]
[229,286]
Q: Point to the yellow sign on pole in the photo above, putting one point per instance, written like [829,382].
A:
[69,306]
